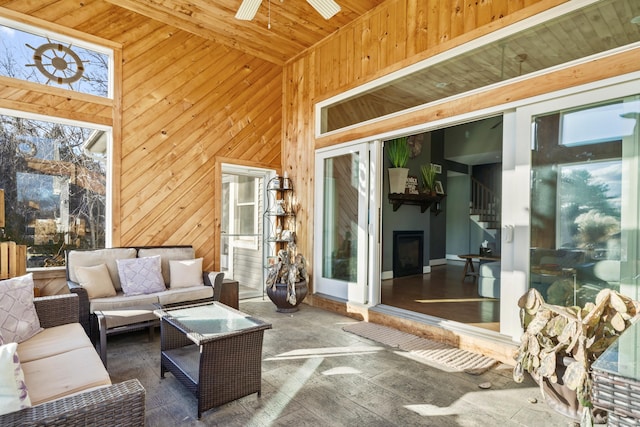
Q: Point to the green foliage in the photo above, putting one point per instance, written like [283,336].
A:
[428,177]
[398,151]
[553,333]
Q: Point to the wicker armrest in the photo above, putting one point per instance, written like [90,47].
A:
[214,278]
[117,405]
[83,304]
[57,310]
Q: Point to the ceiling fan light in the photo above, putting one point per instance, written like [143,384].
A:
[326,8]
[248,9]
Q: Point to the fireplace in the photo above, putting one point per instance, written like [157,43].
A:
[408,247]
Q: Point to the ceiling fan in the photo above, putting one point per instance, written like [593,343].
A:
[249,8]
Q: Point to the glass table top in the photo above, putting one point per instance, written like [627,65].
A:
[622,357]
[209,320]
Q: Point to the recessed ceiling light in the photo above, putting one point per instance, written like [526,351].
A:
[441,85]
[636,20]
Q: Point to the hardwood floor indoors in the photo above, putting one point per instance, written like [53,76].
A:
[443,293]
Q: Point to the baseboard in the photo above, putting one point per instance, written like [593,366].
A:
[440,261]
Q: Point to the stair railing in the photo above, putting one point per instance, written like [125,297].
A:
[484,201]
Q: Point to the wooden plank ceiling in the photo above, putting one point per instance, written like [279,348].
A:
[295,25]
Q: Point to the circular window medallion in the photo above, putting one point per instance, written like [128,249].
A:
[58,63]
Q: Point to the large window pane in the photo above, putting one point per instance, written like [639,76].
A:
[578,202]
[54,177]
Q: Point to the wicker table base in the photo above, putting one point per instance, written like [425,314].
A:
[214,350]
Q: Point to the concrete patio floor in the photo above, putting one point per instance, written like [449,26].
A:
[315,374]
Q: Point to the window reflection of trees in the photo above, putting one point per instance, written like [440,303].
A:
[55,191]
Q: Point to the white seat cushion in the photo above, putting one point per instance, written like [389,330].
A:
[52,341]
[64,374]
[122,301]
[173,296]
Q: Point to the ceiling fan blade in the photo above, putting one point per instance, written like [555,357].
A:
[248,9]
[326,8]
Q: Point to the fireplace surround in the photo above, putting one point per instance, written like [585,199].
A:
[408,250]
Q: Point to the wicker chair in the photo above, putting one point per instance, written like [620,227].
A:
[120,404]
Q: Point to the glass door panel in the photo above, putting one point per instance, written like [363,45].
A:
[241,249]
[341,220]
[582,160]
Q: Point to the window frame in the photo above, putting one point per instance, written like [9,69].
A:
[46,29]
[108,226]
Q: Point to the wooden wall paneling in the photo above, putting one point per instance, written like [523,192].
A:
[378,38]
[440,20]
[149,127]
[141,39]
[367,48]
[161,198]
[470,15]
[252,140]
[346,56]
[175,210]
[56,12]
[79,17]
[399,33]
[165,59]
[457,18]
[186,96]
[116,150]
[515,5]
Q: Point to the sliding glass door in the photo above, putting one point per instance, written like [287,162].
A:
[341,244]
[584,198]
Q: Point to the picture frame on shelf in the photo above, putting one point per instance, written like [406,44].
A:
[439,188]
[412,185]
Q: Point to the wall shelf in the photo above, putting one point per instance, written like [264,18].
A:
[423,200]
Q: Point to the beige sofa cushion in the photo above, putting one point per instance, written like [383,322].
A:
[173,296]
[96,257]
[96,280]
[167,254]
[63,374]
[122,301]
[185,273]
[52,341]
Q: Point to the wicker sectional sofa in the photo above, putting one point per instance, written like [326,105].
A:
[166,296]
[65,378]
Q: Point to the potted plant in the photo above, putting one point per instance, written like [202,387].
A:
[428,179]
[560,344]
[398,151]
[287,280]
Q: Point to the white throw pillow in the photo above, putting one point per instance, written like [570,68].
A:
[185,273]
[13,390]
[140,276]
[18,317]
[96,280]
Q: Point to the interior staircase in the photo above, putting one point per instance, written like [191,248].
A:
[484,207]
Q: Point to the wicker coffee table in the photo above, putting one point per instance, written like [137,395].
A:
[213,350]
